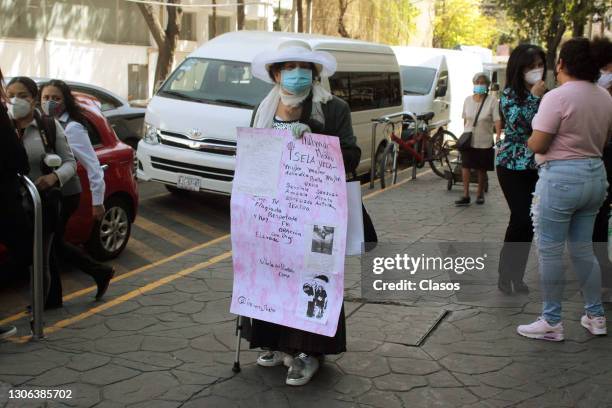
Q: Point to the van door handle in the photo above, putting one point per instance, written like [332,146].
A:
[104,167]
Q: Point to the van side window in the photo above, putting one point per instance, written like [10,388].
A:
[367,90]
[442,85]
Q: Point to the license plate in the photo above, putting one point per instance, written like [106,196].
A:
[188,183]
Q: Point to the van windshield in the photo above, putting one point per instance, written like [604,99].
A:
[417,80]
[217,82]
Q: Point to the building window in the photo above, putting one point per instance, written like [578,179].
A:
[188,27]
[138,81]
[222,26]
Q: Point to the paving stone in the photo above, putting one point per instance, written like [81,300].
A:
[400,350]
[437,397]
[399,382]
[25,365]
[87,361]
[353,385]
[163,344]
[55,377]
[108,374]
[442,379]
[135,323]
[152,359]
[156,404]
[468,364]
[119,345]
[145,387]
[380,399]
[363,364]
[208,343]
[413,366]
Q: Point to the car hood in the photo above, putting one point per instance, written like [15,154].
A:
[179,116]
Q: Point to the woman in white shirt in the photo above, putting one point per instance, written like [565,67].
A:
[480,115]
[57,100]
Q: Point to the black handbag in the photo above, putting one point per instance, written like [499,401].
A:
[465,140]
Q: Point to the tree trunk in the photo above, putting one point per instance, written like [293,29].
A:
[341,27]
[309,16]
[579,18]
[554,34]
[213,28]
[167,39]
[300,16]
[240,17]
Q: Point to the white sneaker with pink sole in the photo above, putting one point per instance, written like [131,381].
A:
[596,325]
[541,330]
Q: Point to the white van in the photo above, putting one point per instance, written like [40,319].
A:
[453,70]
[190,140]
[425,82]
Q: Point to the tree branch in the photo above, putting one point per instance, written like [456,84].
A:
[152,20]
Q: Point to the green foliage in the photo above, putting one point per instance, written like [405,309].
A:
[397,18]
[461,22]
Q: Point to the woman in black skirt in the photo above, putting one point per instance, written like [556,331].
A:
[481,116]
[299,103]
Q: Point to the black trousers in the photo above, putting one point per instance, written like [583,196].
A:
[16,235]
[68,253]
[518,187]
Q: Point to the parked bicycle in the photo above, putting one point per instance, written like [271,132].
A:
[417,141]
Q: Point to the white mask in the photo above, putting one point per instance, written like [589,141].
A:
[534,75]
[293,100]
[605,80]
[18,108]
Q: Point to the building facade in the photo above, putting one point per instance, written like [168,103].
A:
[106,42]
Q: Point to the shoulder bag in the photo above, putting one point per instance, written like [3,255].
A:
[465,140]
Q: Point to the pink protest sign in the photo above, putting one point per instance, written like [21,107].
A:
[289,222]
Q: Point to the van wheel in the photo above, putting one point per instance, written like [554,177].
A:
[110,236]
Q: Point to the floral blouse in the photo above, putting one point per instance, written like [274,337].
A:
[512,151]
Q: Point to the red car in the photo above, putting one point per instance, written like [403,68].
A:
[106,239]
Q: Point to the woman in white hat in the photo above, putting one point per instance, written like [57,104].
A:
[299,103]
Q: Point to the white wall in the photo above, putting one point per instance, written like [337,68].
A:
[100,64]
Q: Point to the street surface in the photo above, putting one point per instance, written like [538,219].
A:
[163,337]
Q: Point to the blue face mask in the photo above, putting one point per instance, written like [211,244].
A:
[296,81]
[480,89]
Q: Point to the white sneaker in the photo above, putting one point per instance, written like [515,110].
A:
[596,325]
[7,331]
[302,369]
[541,330]
[273,358]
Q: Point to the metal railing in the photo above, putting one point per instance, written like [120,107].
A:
[37,280]
[384,120]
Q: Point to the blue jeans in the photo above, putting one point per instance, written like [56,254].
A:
[567,197]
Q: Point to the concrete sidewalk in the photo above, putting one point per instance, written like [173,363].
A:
[165,338]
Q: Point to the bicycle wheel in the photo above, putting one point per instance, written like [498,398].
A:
[441,152]
[387,171]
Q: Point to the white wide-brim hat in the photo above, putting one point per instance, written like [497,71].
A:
[289,51]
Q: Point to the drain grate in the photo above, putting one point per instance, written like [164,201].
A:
[399,324]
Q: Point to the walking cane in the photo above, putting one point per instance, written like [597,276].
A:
[236,367]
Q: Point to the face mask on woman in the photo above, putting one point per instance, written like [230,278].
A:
[19,108]
[534,75]
[53,108]
[480,89]
[605,80]
[296,81]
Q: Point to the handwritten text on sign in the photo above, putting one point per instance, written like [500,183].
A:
[289,221]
